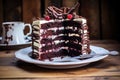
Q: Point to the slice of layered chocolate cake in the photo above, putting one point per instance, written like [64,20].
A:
[61,33]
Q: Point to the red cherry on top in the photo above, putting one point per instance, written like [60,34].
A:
[69,16]
[47,18]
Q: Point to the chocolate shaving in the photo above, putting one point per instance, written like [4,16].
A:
[49,12]
[57,10]
[65,9]
[57,13]
[73,8]
[53,12]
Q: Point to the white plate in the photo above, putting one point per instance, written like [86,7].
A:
[27,42]
[23,55]
[15,46]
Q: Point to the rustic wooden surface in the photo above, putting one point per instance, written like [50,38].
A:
[106,69]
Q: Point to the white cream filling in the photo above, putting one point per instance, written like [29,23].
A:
[73,35]
[75,28]
[83,20]
[85,31]
[56,50]
[36,50]
[58,41]
[36,27]
[42,31]
[85,37]
[61,28]
[36,44]
[54,29]
[67,41]
[35,32]
[45,21]
[69,27]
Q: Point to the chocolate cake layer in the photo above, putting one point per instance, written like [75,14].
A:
[59,24]
[51,25]
[61,52]
[63,44]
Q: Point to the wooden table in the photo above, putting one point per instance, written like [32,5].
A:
[106,69]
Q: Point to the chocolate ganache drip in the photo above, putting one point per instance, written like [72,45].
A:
[56,13]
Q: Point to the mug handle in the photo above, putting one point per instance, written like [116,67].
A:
[30,27]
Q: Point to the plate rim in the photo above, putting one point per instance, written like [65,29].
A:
[49,63]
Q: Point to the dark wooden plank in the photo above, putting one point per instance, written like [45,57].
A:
[42,6]
[31,9]
[90,10]
[109,19]
[106,25]
[47,3]
[1,16]
[69,3]
[12,10]
[57,3]
[115,9]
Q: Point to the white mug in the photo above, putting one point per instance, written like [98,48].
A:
[13,33]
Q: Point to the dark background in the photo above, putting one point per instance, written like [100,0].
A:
[102,15]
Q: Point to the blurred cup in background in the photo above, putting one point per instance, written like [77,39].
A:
[13,33]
